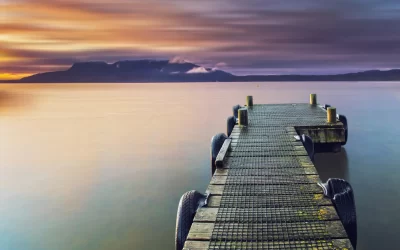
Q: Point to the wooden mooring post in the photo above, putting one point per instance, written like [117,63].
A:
[313,99]
[249,101]
[331,114]
[243,117]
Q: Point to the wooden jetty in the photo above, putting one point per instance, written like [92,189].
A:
[265,192]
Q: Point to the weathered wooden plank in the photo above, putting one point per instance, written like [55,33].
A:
[239,129]
[214,201]
[196,245]
[337,244]
[267,162]
[277,148]
[250,190]
[230,163]
[267,171]
[206,214]
[215,189]
[290,114]
[271,135]
[326,135]
[300,148]
[221,171]
[260,132]
[266,153]
[290,129]
[218,179]
[264,130]
[200,231]
[264,200]
[265,144]
[264,180]
[265,138]
[222,152]
[305,160]
[268,231]
[266,215]
[319,117]
[295,123]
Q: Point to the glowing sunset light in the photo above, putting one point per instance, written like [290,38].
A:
[7,76]
[261,37]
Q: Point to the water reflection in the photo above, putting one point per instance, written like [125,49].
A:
[102,166]
[332,165]
[13,100]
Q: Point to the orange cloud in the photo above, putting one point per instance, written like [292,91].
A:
[80,27]
[10,76]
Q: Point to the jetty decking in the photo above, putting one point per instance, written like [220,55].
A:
[265,193]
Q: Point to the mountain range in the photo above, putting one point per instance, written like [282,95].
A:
[182,71]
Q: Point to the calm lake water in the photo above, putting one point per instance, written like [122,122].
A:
[102,166]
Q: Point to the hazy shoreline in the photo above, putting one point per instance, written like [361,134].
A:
[153,71]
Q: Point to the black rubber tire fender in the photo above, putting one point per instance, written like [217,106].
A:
[187,207]
[343,119]
[216,144]
[308,145]
[342,196]
[230,124]
[235,110]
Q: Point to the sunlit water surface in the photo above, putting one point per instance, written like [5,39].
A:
[102,166]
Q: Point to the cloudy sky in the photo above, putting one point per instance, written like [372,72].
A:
[240,36]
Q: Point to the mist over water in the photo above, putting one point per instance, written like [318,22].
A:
[102,166]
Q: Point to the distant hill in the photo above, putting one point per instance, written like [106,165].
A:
[370,75]
[133,71]
[181,71]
